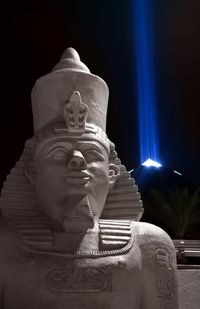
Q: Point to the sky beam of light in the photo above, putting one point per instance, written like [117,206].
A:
[145,79]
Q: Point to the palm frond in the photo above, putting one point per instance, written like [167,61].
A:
[179,209]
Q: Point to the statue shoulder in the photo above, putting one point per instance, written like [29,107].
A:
[148,234]
[158,265]
[155,245]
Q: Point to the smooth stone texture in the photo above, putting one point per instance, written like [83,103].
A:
[69,229]
[189,288]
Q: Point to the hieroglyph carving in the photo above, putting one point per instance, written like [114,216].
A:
[164,278]
[78,280]
[165,275]
[166,305]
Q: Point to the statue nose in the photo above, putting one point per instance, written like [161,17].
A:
[77,162]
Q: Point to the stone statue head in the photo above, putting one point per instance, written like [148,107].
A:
[69,170]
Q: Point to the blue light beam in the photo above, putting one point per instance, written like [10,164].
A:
[145,79]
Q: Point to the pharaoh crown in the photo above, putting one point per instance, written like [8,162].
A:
[70,81]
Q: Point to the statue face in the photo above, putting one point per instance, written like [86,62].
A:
[66,168]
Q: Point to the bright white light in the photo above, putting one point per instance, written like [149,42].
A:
[150,162]
[177,173]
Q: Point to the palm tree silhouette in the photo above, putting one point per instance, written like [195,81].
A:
[178,210]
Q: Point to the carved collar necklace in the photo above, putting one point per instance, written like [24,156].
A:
[115,237]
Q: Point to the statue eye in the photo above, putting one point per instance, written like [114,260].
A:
[93,155]
[58,153]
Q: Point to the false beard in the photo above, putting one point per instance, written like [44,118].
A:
[78,218]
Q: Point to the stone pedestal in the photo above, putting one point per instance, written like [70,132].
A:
[189,288]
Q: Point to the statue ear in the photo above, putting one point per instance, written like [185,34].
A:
[113,174]
[30,172]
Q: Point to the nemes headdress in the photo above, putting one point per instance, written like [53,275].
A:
[69,101]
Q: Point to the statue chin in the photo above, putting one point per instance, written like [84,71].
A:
[79,217]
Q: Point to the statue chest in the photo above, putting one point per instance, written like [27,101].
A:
[42,281]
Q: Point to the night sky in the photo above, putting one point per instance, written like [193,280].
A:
[35,33]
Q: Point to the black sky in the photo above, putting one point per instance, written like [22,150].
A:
[35,33]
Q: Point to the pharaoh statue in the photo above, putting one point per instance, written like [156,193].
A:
[69,230]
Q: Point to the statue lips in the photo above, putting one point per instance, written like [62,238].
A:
[77,177]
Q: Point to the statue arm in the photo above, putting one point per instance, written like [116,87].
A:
[158,268]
